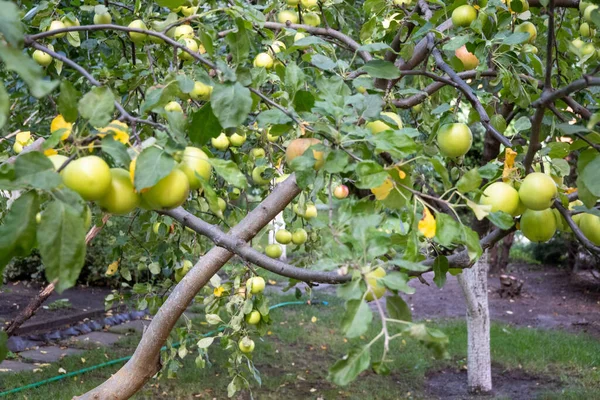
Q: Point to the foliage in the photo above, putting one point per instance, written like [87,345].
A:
[131,95]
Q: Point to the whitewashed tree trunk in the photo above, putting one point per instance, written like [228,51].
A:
[473,282]
[278,223]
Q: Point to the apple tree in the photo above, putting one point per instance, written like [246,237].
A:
[394,138]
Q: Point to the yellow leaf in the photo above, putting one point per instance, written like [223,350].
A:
[218,291]
[50,152]
[481,211]
[59,123]
[383,191]
[509,164]
[401,174]
[118,129]
[427,224]
[112,268]
[570,190]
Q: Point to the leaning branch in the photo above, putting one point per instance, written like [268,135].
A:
[145,362]
[246,252]
[576,230]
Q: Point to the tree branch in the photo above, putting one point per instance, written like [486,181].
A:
[145,362]
[245,251]
[576,231]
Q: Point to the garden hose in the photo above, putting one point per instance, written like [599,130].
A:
[123,359]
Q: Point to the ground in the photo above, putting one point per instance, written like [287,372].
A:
[530,360]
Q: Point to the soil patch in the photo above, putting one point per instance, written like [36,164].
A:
[451,384]
[15,296]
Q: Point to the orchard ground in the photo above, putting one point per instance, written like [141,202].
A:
[545,345]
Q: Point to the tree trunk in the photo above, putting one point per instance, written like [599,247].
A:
[473,282]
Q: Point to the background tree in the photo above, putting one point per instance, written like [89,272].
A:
[449,126]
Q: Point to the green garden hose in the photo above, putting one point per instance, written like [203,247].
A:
[123,359]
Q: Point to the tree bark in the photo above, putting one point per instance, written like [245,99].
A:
[145,362]
[473,282]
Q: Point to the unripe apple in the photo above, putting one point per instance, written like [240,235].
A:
[192,45]
[257,175]
[587,14]
[253,318]
[263,60]
[454,140]
[311,19]
[54,25]
[221,142]
[287,15]
[537,191]
[463,15]
[377,290]
[529,28]
[402,2]
[502,197]
[183,31]
[237,140]
[309,3]
[341,192]
[43,59]
[256,284]
[201,91]
[173,106]
[588,49]
[17,147]
[188,11]
[283,236]
[298,36]
[101,19]
[299,236]
[586,31]
[277,47]
[292,3]
[274,250]
[246,345]
[257,153]
[468,59]
[513,6]
[135,36]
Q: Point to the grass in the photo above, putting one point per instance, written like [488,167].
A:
[294,359]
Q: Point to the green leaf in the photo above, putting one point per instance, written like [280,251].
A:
[409,265]
[158,97]
[370,175]
[61,241]
[294,77]
[17,233]
[239,42]
[170,3]
[67,101]
[381,69]
[374,47]
[501,219]
[397,143]
[33,75]
[10,25]
[204,125]
[516,37]
[397,308]
[346,370]
[3,342]
[397,281]
[590,176]
[272,117]
[357,318]
[31,170]
[4,105]
[469,181]
[117,151]
[151,166]
[447,230]
[350,290]
[522,124]
[558,149]
[336,161]
[322,62]
[231,103]
[97,106]
[440,268]
[229,171]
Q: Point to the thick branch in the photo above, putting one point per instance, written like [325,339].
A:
[245,251]
[579,84]
[146,359]
[35,146]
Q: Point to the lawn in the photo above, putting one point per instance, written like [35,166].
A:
[294,358]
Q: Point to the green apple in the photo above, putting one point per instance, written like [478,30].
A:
[590,227]
[287,15]
[121,197]
[43,59]
[502,197]
[257,153]
[538,226]
[277,47]
[246,345]
[256,284]
[201,91]
[221,142]
[194,164]
[299,236]
[274,250]
[587,14]
[89,176]
[298,36]
[102,19]
[237,140]
[183,31]
[377,290]
[55,25]
[257,175]
[311,19]
[263,60]
[309,3]
[463,15]
[586,31]
[253,318]
[181,272]
[537,191]
[135,36]
[454,140]
[528,27]
[173,106]
[283,236]
[191,45]
[170,192]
